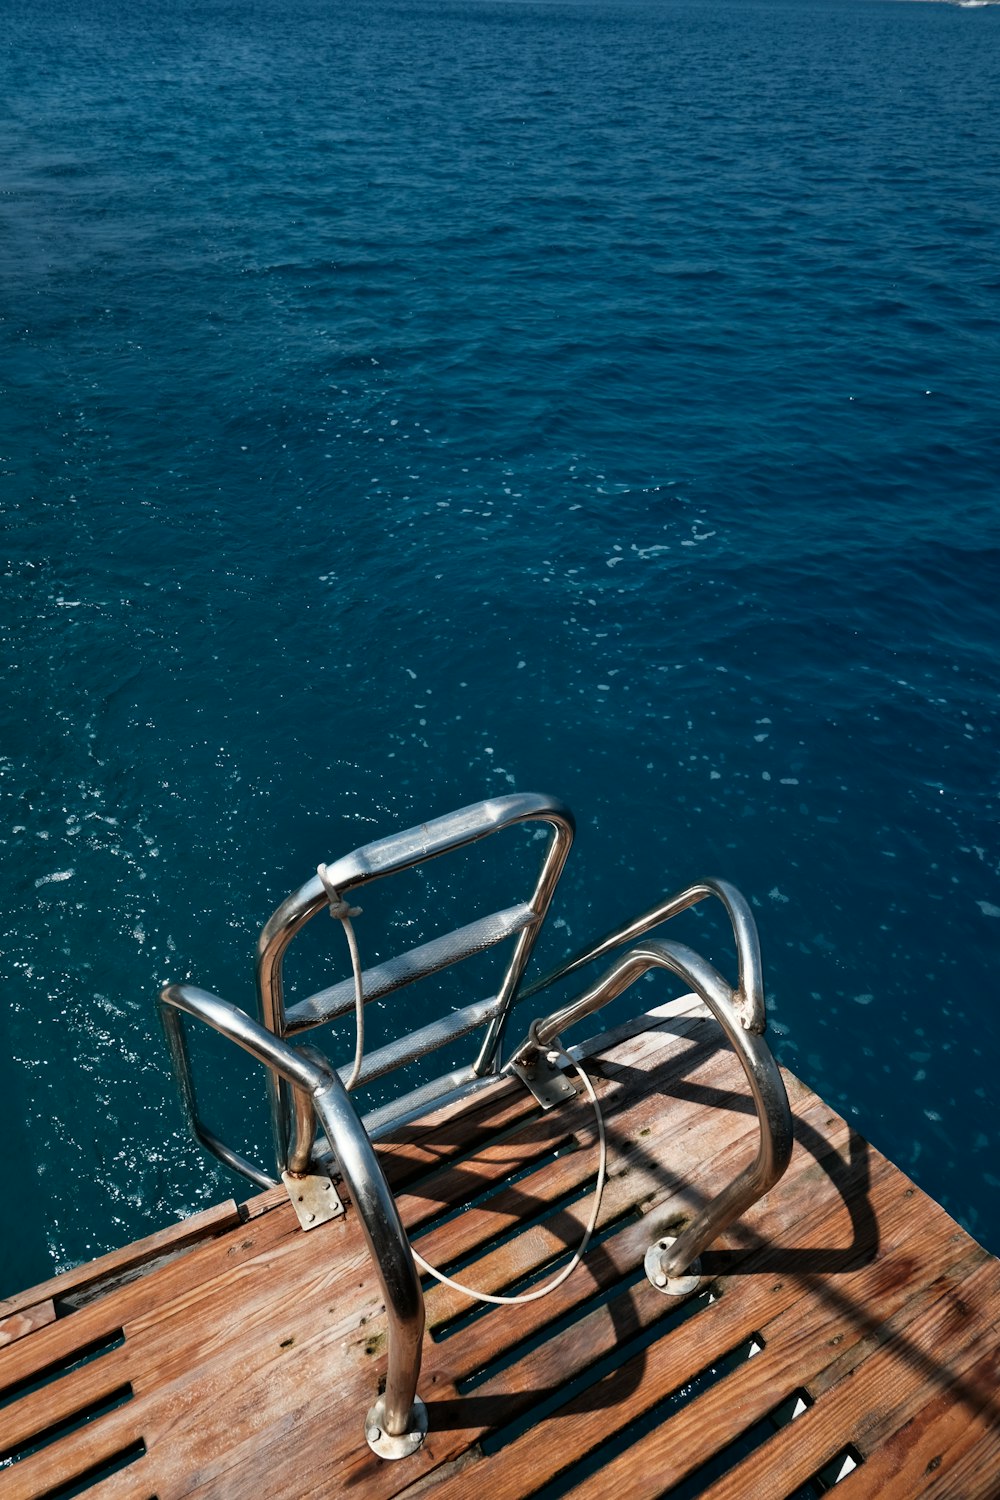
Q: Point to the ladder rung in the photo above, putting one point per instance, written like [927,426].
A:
[433,1095]
[450,948]
[415,1044]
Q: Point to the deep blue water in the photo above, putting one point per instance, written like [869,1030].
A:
[405,402]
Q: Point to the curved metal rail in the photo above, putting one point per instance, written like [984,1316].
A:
[320,1094]
[389,856]
[766,1086]
[306,1089]
[748,998]
[296,1102]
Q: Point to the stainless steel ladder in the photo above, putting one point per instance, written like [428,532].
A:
[305,1089]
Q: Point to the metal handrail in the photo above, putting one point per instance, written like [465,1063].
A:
[181,1058]
[773,1112]
[388,856]
[748,997]
[306,1089]
[321,1095]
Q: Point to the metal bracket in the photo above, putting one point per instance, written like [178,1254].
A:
[683,1285]
[380,1442]
[546,1080]
[314,1199]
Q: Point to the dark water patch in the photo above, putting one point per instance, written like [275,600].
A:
[405,402]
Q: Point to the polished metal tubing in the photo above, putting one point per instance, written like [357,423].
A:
[405,968]
[749,996]
[420,1043]
[303,1141]
[763,1076]
[388,856]
[460,1083]
[290,917]
[389,1249]
[564,827]
[173,1026]
[401,851]
[380,1223]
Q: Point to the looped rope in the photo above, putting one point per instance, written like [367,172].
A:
[557,1281]
[340,909]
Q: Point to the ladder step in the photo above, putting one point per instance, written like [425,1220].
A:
[406,1049]
[460,1082]
[450,948]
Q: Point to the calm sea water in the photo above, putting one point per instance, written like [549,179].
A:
[407,402]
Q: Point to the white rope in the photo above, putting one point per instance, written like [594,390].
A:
[340,909]
[557,1281]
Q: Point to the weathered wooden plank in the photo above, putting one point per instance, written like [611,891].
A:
[174,1434]
[64,1397]
[970,1469]
[433,1140]
[882,1328]
[468,1129]
[640,1168]
[159,1317]
[102,1318]
[136,1481]
[748,1301]
[180,1354]
[859,1409]
[189,1232]
[666,1017]
[289,1323]
[616,1258]
[701,1428]
[616,1088]
[315,1447]
[264,1361]
[956,1439]
[263,1203]
[820,1162]
[188,1402]
[97,1443]
[542,1242]
[461,1127]
[181,1306]
[297,1408]
[26,1321]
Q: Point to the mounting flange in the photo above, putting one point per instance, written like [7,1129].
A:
[314,1198]
[542,1073]
[408,1442]
[673,1286]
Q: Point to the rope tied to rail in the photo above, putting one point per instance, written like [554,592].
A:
[343,911]
[581,1250]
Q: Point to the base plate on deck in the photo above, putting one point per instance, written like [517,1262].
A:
[673,1286]
[314,1198]
[549,1084]
[380,1442]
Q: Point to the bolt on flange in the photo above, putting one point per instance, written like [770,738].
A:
[380,1441]
[683,1285]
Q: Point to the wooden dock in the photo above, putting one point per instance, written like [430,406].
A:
[847,1327]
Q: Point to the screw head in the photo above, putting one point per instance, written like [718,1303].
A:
[681,1284]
